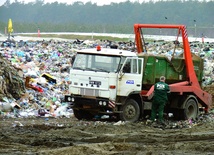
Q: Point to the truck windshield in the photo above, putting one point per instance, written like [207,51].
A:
[97,63]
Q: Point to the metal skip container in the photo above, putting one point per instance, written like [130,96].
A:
[174,70]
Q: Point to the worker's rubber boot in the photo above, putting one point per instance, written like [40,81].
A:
[160,112]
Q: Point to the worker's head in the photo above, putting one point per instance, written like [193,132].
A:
[162,78]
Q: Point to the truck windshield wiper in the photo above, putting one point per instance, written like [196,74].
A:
[90,69]
[78,68]
[102,70]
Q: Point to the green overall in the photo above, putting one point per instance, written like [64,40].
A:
[159,100]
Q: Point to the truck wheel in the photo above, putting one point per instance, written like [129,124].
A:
[82,114]
[191,109]
[130,111]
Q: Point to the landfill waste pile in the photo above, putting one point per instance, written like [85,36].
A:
[35,74]
[34,78]
[11,83]
[36,120]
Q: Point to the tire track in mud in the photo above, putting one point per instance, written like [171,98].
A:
[85,137]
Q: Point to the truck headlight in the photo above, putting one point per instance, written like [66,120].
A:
[69,99]
[104,103]
[100,102]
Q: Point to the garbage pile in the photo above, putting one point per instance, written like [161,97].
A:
[34,75]
[10,80]
[34,78]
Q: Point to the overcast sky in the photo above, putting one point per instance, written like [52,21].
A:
[99,2]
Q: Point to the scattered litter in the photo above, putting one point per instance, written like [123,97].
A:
[119,123]
[34,75]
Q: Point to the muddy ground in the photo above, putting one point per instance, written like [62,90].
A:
[69,136]
[64,136]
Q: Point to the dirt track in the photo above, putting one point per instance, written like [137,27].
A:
[70,136]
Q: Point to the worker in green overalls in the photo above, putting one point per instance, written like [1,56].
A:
[160,99]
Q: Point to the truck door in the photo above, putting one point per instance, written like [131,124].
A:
[130,76]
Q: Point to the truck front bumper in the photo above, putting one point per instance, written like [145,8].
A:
[81,102]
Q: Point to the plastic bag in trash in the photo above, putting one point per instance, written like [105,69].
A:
[42,112]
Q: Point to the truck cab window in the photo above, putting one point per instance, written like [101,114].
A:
[131,66]
[127,67]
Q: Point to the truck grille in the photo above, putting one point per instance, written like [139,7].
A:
[89,92]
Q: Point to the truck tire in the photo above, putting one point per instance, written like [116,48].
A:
[191,109]
[82,114]
[130,111]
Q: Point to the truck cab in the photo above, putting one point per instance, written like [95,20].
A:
[101,81]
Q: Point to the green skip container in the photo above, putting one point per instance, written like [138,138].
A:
[174,70]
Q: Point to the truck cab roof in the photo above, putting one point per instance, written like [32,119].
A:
[108,51]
